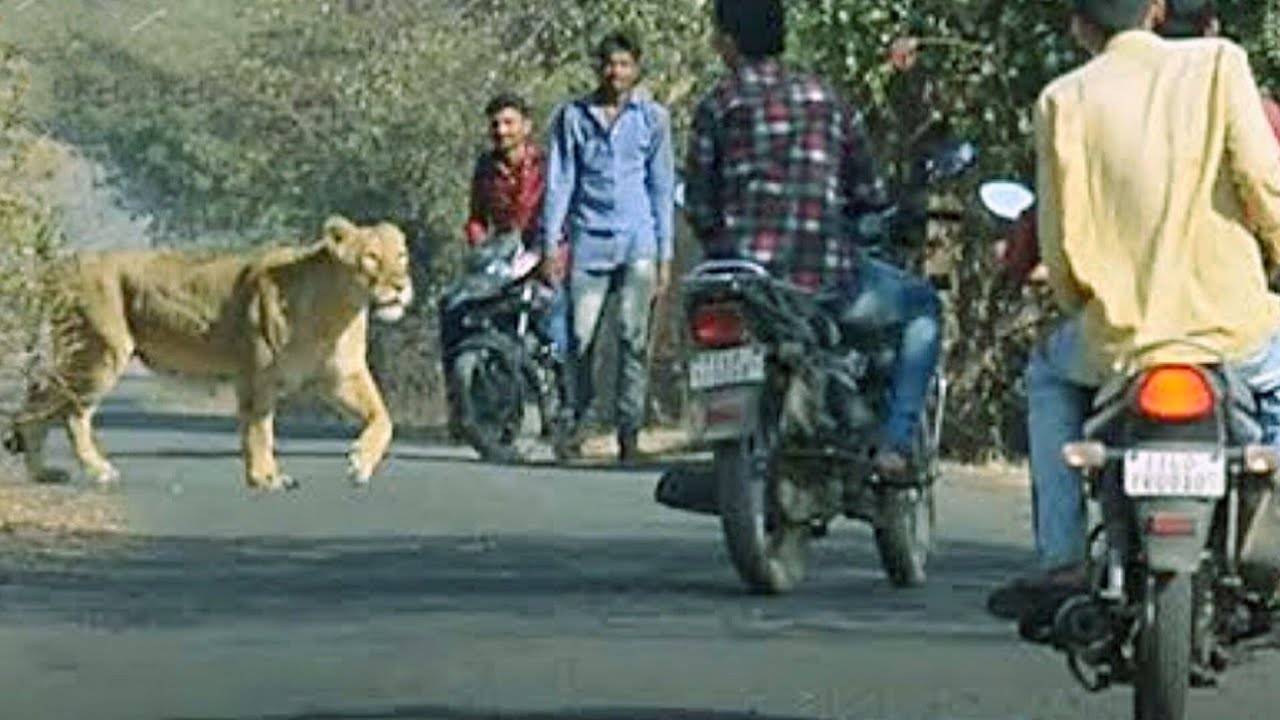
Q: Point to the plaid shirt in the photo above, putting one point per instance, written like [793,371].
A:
[777,170]
[505,197]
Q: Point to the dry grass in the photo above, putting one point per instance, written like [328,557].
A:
[28,508]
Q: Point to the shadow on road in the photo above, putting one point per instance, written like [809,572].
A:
[432,712]
[622,582]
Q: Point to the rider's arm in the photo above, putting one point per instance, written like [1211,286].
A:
[477,227]
[562,173]
[864,188]
[660,182]
[702,175]
[1054,221]
[1252,151]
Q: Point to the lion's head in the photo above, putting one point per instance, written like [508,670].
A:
[379,257]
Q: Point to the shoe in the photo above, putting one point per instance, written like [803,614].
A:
[894,466]
[628,446]
[568,442]
[689,488]
[1023,595]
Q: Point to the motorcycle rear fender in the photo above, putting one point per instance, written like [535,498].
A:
[726,413]
[1173,553]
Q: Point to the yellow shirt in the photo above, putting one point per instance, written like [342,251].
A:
[1159,182]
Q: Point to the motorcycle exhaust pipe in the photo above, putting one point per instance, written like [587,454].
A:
[1083,625]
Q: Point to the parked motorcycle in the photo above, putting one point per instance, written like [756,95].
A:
[1186,557]
[497,355]
[789,394]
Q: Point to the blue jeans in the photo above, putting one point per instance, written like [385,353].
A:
[888,295]
[555,322]
[1057,407]
[635,284]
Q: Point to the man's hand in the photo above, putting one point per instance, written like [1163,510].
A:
[551,269]
[663,279]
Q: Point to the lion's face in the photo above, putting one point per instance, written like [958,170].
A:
[379,256]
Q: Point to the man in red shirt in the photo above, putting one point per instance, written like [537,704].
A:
[509,179]
[506,196]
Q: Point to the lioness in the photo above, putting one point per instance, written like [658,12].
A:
[268,322]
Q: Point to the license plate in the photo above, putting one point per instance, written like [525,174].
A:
[718,368]
[1175,473]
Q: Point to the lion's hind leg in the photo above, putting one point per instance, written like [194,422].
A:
[98,365]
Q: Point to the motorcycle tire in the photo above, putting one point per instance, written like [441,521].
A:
[904,535]
[1162,655]
[770,555]
[490,406]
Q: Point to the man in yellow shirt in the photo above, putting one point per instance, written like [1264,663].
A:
[1159,186]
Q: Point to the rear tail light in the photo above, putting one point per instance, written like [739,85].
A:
[719,325]
[1175,393]
[1167,524]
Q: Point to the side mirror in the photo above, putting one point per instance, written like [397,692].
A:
[948,160]
[1006,199]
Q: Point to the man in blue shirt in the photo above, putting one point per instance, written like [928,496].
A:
[610,192]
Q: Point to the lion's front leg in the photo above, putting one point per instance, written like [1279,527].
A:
[358,395]
[257,403]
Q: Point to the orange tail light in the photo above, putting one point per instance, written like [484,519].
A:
[719,325]
[1175,393]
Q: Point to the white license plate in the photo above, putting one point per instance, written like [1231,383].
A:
[718,368]
[1175,473]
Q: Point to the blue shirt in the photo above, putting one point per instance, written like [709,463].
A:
[610,188]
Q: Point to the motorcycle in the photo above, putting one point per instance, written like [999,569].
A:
[497,355]
[789,395]
[1186,556]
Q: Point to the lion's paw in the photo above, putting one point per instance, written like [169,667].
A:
[357,473]
[274,483]
[106,475]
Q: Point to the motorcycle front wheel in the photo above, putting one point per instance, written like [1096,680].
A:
[770,554]
[904,535]
[490,406]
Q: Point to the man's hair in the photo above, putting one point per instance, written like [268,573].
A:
[758,27]
[506,100]
[1112,16]
[1188,18]
[616,42]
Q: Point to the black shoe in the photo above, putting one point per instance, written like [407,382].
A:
[689,488]
[628,446]
[1024,595]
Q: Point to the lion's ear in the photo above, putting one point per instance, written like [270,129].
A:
[339,229]
[340,234]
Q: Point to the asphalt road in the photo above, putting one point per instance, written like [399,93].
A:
[456,590]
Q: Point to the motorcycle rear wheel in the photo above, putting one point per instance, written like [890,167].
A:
[1163,651]
[490,406]
[770,555]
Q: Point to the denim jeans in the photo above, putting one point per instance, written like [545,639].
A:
[589,289]
[1057,406]
[555,322]
[888,295]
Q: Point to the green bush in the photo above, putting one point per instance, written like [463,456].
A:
[371,108]
[28,242]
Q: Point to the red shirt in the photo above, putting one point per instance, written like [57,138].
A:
[506,197]
[1273,114]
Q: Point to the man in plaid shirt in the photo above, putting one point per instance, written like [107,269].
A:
[779,173]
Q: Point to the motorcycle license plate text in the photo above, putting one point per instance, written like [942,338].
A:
[718,368]
[1180,473]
